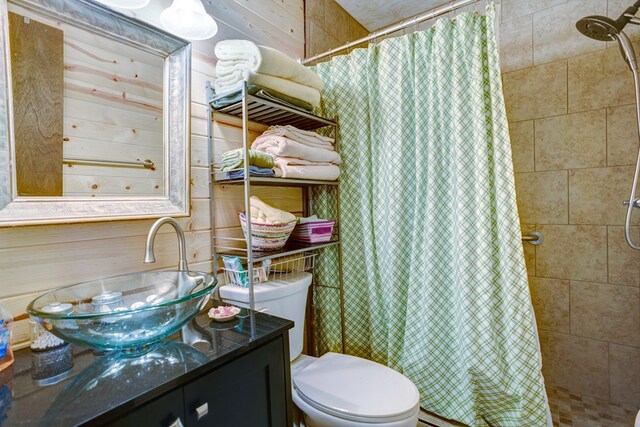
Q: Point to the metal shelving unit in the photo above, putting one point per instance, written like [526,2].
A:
[267,112]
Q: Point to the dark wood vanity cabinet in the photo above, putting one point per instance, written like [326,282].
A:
[252,390]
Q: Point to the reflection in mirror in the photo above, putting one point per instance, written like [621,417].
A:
[94,115]
[87,111]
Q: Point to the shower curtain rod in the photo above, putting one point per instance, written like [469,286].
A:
[429,14]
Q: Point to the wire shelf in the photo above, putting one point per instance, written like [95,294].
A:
[270,270]
[271,113]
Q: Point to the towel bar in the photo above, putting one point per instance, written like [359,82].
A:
[147,164]
[535,238]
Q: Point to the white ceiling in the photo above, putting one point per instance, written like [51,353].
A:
[375,14]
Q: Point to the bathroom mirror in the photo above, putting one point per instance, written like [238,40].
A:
[94,115]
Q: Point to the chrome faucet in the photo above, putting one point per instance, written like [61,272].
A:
[182,247]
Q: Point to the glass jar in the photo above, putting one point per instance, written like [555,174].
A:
[6,325]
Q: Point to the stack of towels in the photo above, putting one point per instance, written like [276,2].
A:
[268,69]
[260,164]
[299,154]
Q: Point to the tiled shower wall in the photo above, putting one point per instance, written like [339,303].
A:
[328,25]
[570,105]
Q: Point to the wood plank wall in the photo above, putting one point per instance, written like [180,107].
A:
[38,258]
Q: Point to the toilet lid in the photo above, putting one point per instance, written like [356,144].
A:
[356,389]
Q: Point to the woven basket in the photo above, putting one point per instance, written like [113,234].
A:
[267,237]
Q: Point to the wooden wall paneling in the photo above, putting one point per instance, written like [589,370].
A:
[200,182]
[138,69]
[83,109]
[236,16]
[140,173]
[199,151]
[60,264]
[81,185]
[22,237]
[108,149]
[37,77]
[275,14]
[64,254]
[230,201]
[128,101]
[98,130]
[294,7]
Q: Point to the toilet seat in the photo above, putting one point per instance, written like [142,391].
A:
[356,389]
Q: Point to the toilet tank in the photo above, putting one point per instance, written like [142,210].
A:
[285,297]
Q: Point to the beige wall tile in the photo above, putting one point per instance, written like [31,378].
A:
[516,8]
[596,195]
[577,252]
[529,250]
[579,364]
[522,145]
[571,141]
[554,30]
[622,135]
[516,44]
[542,197]
[598,80]
[606,312]
[536,92]
[588,81]
[551,303]
[625,374]
[624,262]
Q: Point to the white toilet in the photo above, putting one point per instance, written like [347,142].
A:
[334,390]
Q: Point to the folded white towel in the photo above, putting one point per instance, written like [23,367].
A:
[279,146]
[263,213]
[291,168]
[285,87]
[306,137]
[245,55]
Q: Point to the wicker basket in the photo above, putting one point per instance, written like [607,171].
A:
[267,237]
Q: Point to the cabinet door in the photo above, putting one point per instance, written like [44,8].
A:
[165,411]
[248,392]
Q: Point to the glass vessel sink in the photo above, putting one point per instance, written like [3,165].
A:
[127,312]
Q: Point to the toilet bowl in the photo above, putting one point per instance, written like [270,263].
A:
[334,390]
[337,390]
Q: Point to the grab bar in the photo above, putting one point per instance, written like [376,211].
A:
[146,164]
[535,238]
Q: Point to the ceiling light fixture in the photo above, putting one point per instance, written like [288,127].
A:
[188,19]
[125,4]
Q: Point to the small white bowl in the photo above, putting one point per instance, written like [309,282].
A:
[223,313]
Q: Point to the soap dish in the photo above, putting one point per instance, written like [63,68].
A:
[223,313]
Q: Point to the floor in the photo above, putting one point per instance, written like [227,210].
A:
[566,410]
[583,411]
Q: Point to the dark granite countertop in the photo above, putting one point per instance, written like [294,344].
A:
[103,387]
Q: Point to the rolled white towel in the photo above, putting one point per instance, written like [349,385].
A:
[266,214]
[285,87]
[245,55]
[279,146]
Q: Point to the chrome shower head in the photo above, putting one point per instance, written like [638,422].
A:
[607,30]
[599,28]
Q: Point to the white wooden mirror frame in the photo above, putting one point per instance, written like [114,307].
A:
[15,210]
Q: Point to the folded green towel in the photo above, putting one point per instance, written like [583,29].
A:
[262,92]
[235,159]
